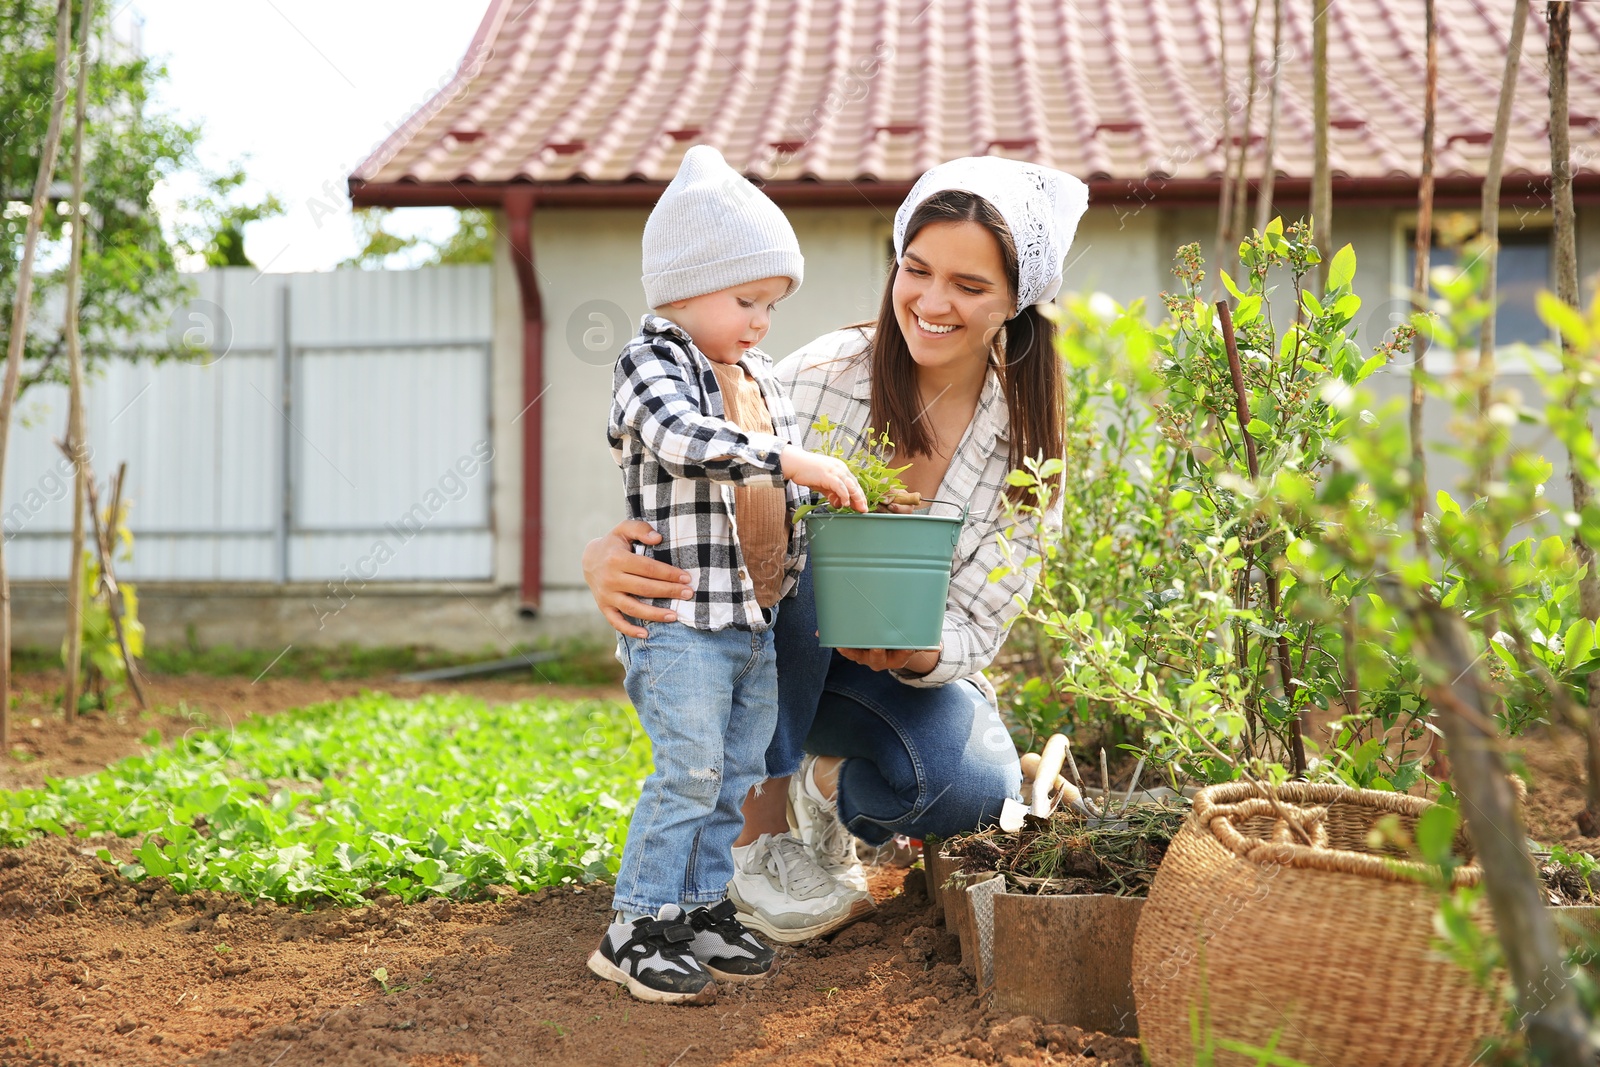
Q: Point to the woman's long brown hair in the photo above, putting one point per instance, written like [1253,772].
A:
[1027,362]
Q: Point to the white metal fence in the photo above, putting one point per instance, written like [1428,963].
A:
[340,428]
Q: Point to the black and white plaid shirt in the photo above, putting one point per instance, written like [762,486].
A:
[680,460]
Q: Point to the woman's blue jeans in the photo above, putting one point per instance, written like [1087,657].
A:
[919,762]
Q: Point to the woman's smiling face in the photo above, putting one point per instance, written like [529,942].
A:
[950,294]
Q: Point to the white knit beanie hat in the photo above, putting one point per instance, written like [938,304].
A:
[1041,207]
[712,229]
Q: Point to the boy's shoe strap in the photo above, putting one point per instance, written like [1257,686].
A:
[674,933]
[712,914]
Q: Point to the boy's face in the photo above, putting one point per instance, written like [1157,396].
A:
[729,322]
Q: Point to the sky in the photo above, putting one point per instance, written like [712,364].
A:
[301,91]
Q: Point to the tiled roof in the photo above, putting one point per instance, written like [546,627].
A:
[609,91]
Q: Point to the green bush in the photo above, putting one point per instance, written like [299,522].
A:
[1202,605]
[1165,602]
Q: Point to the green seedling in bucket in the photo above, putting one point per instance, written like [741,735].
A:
[880,482]
[881,578]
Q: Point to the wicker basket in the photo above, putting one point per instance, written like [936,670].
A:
[1325,947]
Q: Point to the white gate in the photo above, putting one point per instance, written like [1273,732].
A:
[338,427]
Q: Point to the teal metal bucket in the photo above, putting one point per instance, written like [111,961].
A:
[881,580]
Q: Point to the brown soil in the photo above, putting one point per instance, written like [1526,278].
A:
[96,971]
[1554,761]
[193,702]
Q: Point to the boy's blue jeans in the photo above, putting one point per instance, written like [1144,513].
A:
[919,762]
[709,701]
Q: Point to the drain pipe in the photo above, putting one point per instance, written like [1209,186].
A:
[519,205]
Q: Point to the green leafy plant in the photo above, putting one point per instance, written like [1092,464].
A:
[1581,863]
[864,455]
[335,802]
[1516,593]
[1487,574]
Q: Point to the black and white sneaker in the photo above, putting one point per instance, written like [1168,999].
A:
[653,958]
[725,948]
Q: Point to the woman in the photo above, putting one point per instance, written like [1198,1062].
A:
[960,369]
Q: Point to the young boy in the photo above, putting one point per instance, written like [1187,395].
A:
[703,436]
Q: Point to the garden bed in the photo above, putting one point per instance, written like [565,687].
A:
[101,971]
[96,968]
[84,953]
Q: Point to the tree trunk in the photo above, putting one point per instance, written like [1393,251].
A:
[75,433]
[1547,1005]
[1491,211]
[1419,284]
[1321,176]
[1559,15]
[1269,160]
[19,330]
[1219,257]
[1241,175]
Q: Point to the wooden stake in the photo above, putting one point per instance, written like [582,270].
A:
[105,539]
[1269,162]
[1419,284]
[1220,255]
[19,331]
[75,446]
[1559,15]
[1241,410]
[1241,179]
[1491,214]
[1321,175]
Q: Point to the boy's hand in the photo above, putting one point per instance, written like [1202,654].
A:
[826,475]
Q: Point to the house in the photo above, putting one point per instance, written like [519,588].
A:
[568,117]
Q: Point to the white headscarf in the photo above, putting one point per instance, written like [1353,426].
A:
[1041,207]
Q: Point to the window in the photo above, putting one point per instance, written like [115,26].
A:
[1524,270]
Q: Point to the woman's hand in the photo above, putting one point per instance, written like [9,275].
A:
[618,576]
[913,660]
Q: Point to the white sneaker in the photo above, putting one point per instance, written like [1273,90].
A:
[898,851]
[818,827]
[781,892]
